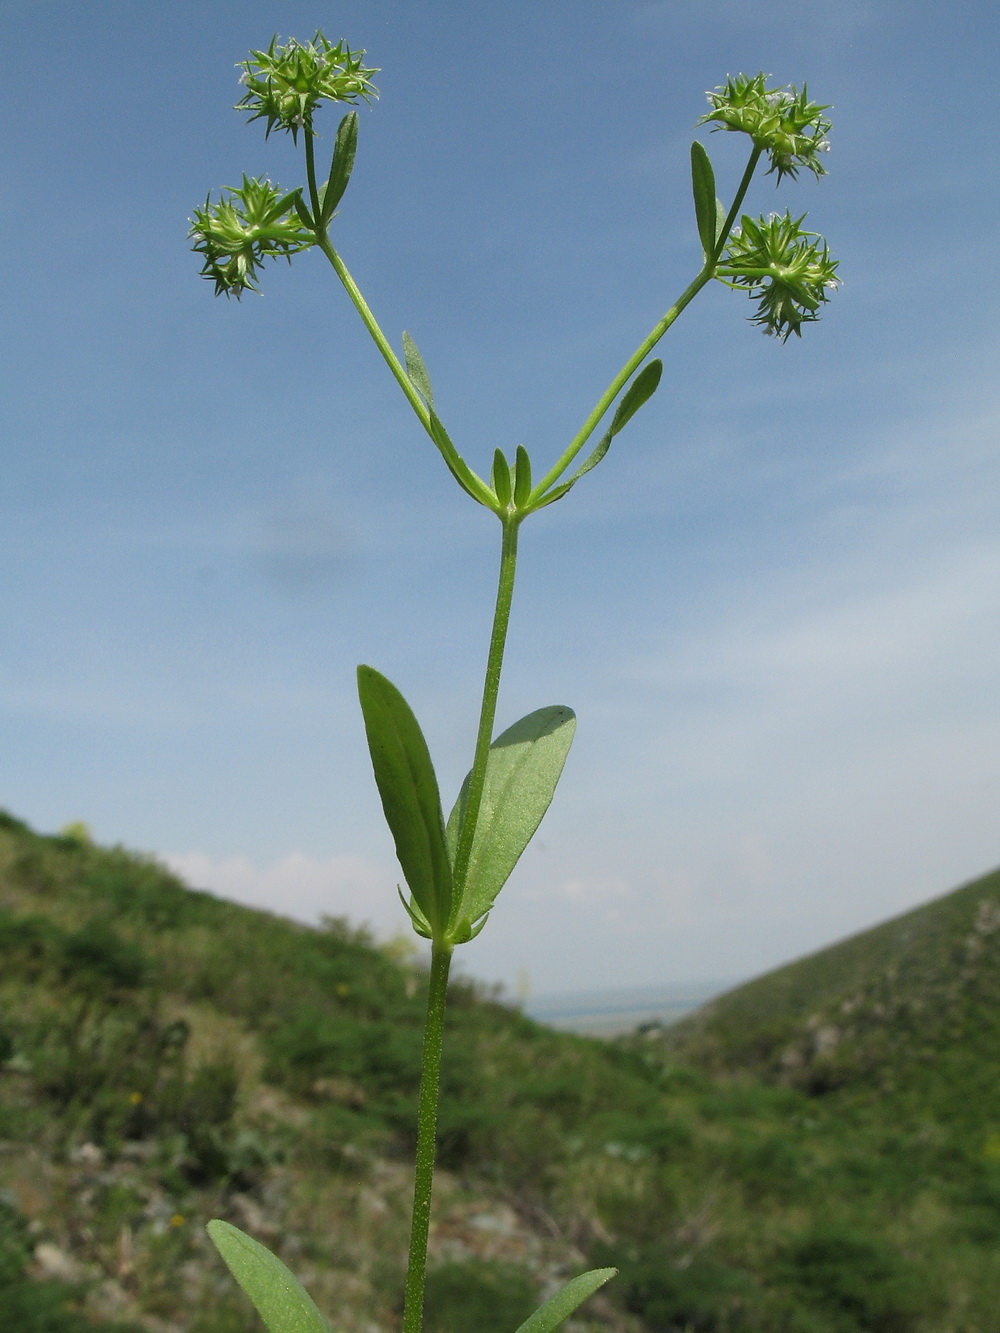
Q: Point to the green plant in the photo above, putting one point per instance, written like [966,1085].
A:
[32,1306]
[455,868]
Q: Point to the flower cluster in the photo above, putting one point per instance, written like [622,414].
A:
[247,226]
[788,270]
[286,83]
[781,121]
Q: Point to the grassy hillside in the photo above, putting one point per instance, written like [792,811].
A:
[909,1010]
[166,1057]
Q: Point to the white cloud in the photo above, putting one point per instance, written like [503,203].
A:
[301,886]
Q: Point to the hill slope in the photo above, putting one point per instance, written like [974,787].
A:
[910,1008]
[166,1057]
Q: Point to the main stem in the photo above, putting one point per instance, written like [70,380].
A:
[430,1081]
[488,709]
[430,1076]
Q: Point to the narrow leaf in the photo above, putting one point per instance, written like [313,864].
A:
[417,919]
[501,478]
[593,458]
[278,1296]
[416,370]
[305,217]
[457,466]
[285,204]
[638,392]
[405,778]
[557,493]
[720,219]
[342,164]
[522,770]
[703,188]
[522,477]
[564,1302]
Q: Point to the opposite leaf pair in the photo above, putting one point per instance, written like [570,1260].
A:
[522,771]
[286,1307]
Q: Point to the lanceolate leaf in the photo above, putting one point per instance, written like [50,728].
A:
[305,217]
[639,391]
[344,148]
[521,775]
[468,480]
[405,778]
[501,478]
[703,188]
[417,374]
[557,492]
[563,1303]
[279,1298]
[416,370]
[522,476]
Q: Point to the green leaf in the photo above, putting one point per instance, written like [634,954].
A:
[457,466]
[703,188]
[344,148]
[557,493]
[278,1296]
[522,477]
[501,479]
[305,217]
[417,919]
[405,778]
[563,1303]
[592,459]
[639,391]
[522,770]
[417,374]
[416,370]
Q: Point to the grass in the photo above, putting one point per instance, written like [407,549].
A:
[819,1150]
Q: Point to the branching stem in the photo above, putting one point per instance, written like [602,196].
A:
[371,324]
[650,341]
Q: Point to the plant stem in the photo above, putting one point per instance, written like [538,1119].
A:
[430,1079]
[648,343]
[487,712]
[371,324]
[737,204]
[618,383]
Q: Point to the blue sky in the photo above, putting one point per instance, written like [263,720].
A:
[774,606]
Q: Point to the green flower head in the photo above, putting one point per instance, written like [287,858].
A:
[787,270]
[781,122]
[285,84]
[246,226]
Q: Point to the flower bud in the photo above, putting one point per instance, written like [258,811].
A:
[285,84]
[787,270]
[781,122]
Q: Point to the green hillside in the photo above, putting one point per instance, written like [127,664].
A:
[909,1009]
[166,1057]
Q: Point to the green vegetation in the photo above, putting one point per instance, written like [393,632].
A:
[167,1057]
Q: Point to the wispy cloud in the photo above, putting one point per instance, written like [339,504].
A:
[300,886]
